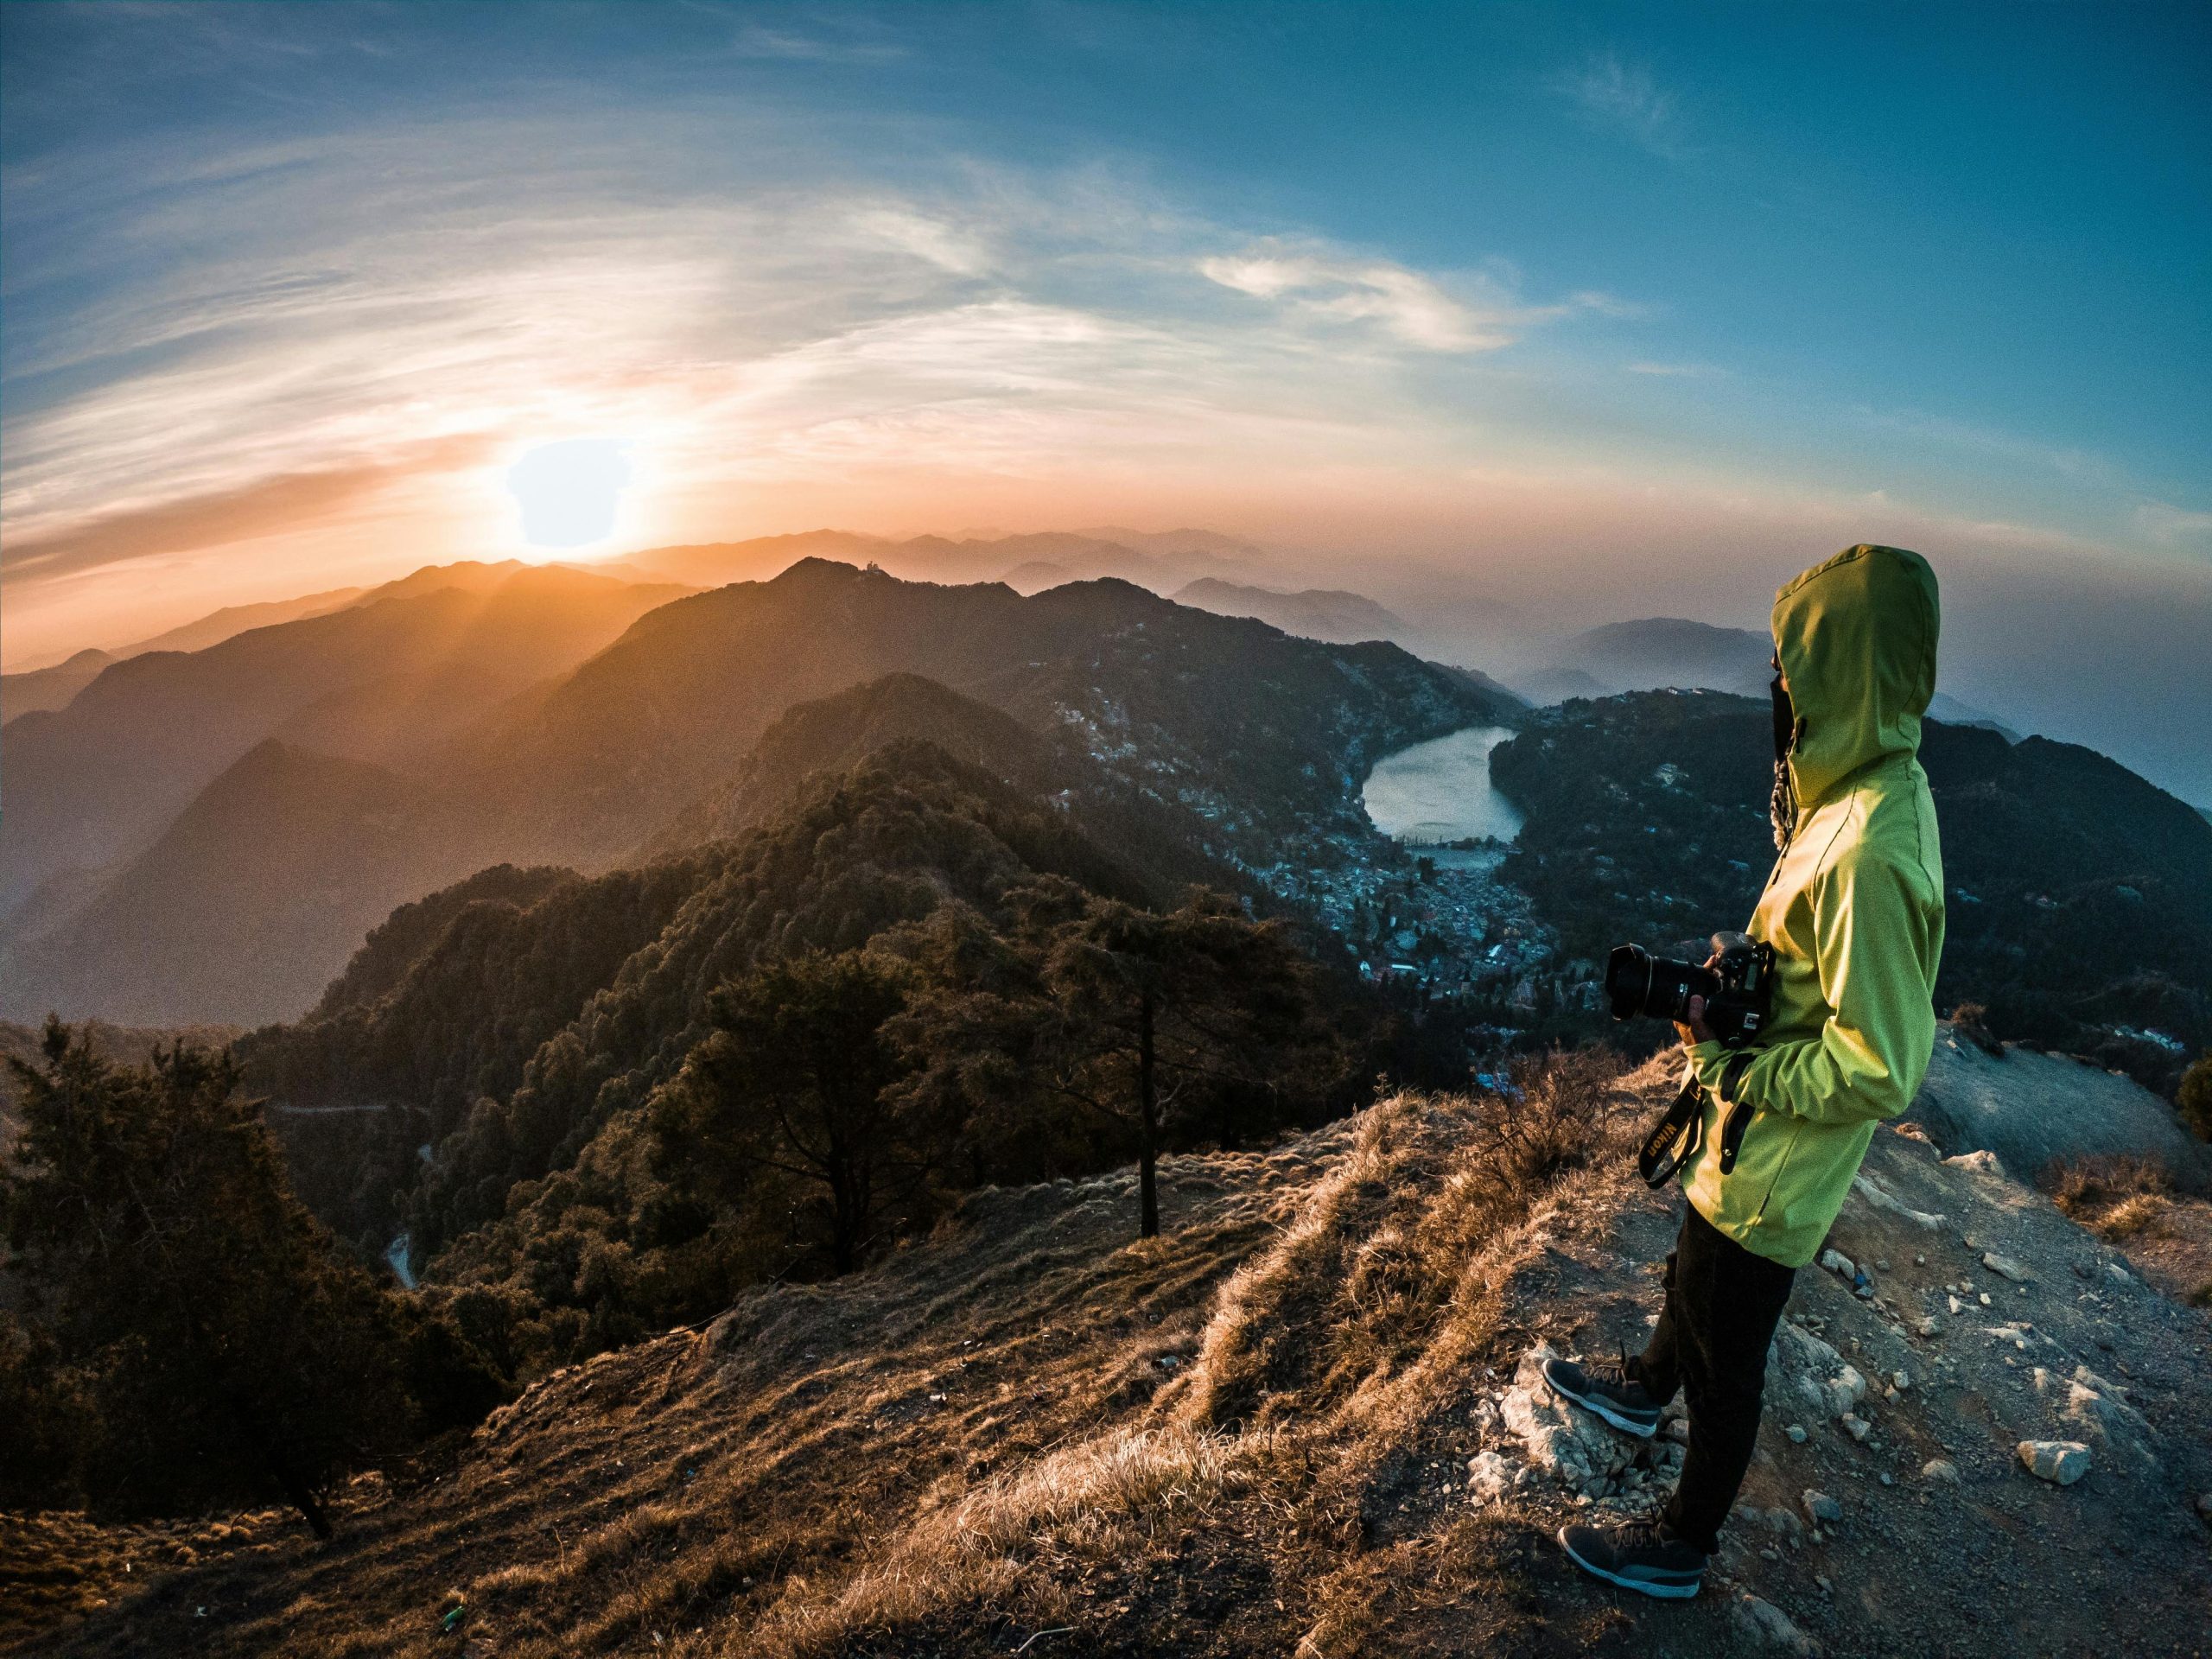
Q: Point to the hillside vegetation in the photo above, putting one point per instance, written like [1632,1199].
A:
[1295,1422]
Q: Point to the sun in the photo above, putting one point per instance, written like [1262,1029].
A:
[569,492]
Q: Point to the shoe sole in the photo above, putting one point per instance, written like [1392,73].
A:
[1642,1586]
[1597,1407]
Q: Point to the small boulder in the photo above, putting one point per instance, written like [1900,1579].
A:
[1836,1262]
[1822,1508]
[2004,1266]
[1845,1389]
[1489,1477]
[2060,1462]
[1796,1433]
[1857,1427]
[1768,1625]
[1940,1469]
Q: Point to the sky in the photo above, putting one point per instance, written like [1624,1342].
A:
[1548,315]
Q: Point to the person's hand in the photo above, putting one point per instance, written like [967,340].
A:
[1694,1031]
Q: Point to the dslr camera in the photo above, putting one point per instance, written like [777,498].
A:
[1738,989]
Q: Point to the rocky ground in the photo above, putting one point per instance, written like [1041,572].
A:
[1301,1423]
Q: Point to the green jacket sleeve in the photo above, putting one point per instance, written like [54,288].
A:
[1868,1059]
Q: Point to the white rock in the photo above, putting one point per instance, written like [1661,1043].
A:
[1957,1306]
[1940,1469]
[2004,1266]
[1489,1477]
[1837,1261]
[1768,1624]
[1845,1389]
[2061,1462]
[1562,1440]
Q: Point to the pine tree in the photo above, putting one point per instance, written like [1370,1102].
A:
[224,1349]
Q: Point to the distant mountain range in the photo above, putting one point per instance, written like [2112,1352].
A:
[170,852]
[1160,560]
[1657,651]
[1314,613]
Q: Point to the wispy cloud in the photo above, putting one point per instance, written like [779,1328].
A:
[791,45]
[1675,371]
[1625,97]
[1406,305]
[2175,527]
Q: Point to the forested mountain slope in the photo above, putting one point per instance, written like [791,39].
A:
[1266,735]
[517,1025]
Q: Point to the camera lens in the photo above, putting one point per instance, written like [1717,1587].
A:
[1628,979]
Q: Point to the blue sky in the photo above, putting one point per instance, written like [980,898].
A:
[1585,311]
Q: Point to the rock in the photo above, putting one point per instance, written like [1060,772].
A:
[2061,1462]
[2028,1108]
[1820,1507]
[1881,1266]
[1930,1326]
[1836,1262]
[2004,1266]
[1940,1469]
[1900,1381]
[1957,1306]
[1845,1389]
[1871,1189]
[1796,1433]
[1768,1626]
[1489,1477]
[1562,1440]
[1857,1427]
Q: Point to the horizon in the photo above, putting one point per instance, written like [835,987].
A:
[300,299]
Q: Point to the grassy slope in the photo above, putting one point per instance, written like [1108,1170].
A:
[1249,1437]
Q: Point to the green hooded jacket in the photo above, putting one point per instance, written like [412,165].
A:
[1853,909]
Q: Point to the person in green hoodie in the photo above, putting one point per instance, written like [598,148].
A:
[1854,911]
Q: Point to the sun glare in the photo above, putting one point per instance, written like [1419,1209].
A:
[568,492]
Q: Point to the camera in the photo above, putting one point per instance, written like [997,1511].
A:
[1737,989]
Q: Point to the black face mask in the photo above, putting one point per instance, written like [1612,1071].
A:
[1782,804]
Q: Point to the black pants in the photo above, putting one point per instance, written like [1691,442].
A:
[1711,1342]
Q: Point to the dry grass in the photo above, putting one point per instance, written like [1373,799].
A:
[1034,1423]
[2119,1197]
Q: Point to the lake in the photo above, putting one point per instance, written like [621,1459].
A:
[1441,790]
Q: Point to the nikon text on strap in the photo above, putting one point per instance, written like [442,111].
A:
[1674,1141]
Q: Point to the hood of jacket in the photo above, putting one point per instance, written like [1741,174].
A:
[1856,635]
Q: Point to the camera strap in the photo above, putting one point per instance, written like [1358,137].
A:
[1674,1139]
[1739,1115]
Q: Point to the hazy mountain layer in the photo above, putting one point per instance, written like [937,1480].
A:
[97,781]
[1313,613]
[273,872]
[1658,652]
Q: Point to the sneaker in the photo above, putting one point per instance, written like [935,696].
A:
[1604,1386]
[1637,1556]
